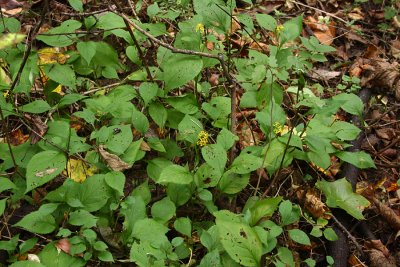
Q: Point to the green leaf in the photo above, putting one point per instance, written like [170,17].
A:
[9,39]
[350,103]
[233,183]
[339,194]
[226,139]
[189,129]
[28,245]
[139,121]
[40,221]
[27,264]
[263,208]
[266,21]
[76,4]
[148,91]
[330,234]
[359,159]
[219,107]
[286,256]
[215,156]
[6,184]
[82,218]
[116,180]
[175,174]
[345,130]
[3,203]
[62,74]
[119,140]
[87,50]
[105,256]
[35,107]
[292,29]
[133,209]
[158,113]
[289,213]
[50,256]
[299,236]
[151,231]
[109,20]
[62,35]
[163,210]
[184,226]
[133,55]
[70,99]
[178,69]
[43,167]
[186,104]
[207,176]
[238,239]
[246,163]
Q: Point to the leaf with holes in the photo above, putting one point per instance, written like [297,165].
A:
[43,167]
[215,156]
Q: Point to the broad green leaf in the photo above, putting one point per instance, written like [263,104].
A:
[186,104]
[291,29]
[189,129]
[139,121]
[9,39]
[51,256]
[219,107]
[360,159]
[345,130]
[289,213]
[175,174]
[350,103]
[62,74]
[184,226]
[109,20]
[40,221]
[299,236]
[226,139]
[207,176]
[238,239]
[119,140]
[266,21]
[151,231]
[133,55]
[27,264]
[116,180]
[211,259]
[330,234]
[246,163]
[158,113]
[6,184]
[62,35]
[178,69]
[148,91]
[43,167]
[163,210]
[82,218]
[36,107]
[76,4]
[263,208]
[133,209]
[87,50]
[90,195]
[339,194]
[70,99]
[215,156]
[233,183]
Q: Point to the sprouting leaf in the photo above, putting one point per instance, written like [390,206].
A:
[339,194]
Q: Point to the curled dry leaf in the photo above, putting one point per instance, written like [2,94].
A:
[63,245]
[312,202]
[381,74]
[39,128]
[324,32]
[112,161]
[33,257]
[391,217]
[325,75]
[395,49]
[377,259]
[354,261]
[386,133]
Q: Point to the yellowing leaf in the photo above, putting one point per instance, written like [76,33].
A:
[78,171]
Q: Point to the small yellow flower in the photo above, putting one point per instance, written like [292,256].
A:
[203,138]
[200,28]
[279,28]
[277,128]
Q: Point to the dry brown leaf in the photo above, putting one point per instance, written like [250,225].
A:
[386,133]
[18,137]
[324,32]
[325,75]
[356,14]
[382,74]
[312,202]
[63,245]
[391,217]
[10,4]
[395,49]
[112,161]
[39,128]
[355,262]
[377,259]
[144,146]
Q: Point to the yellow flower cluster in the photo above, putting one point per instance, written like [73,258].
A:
[200,28]
[277,128]
[279,28]
[203,138]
